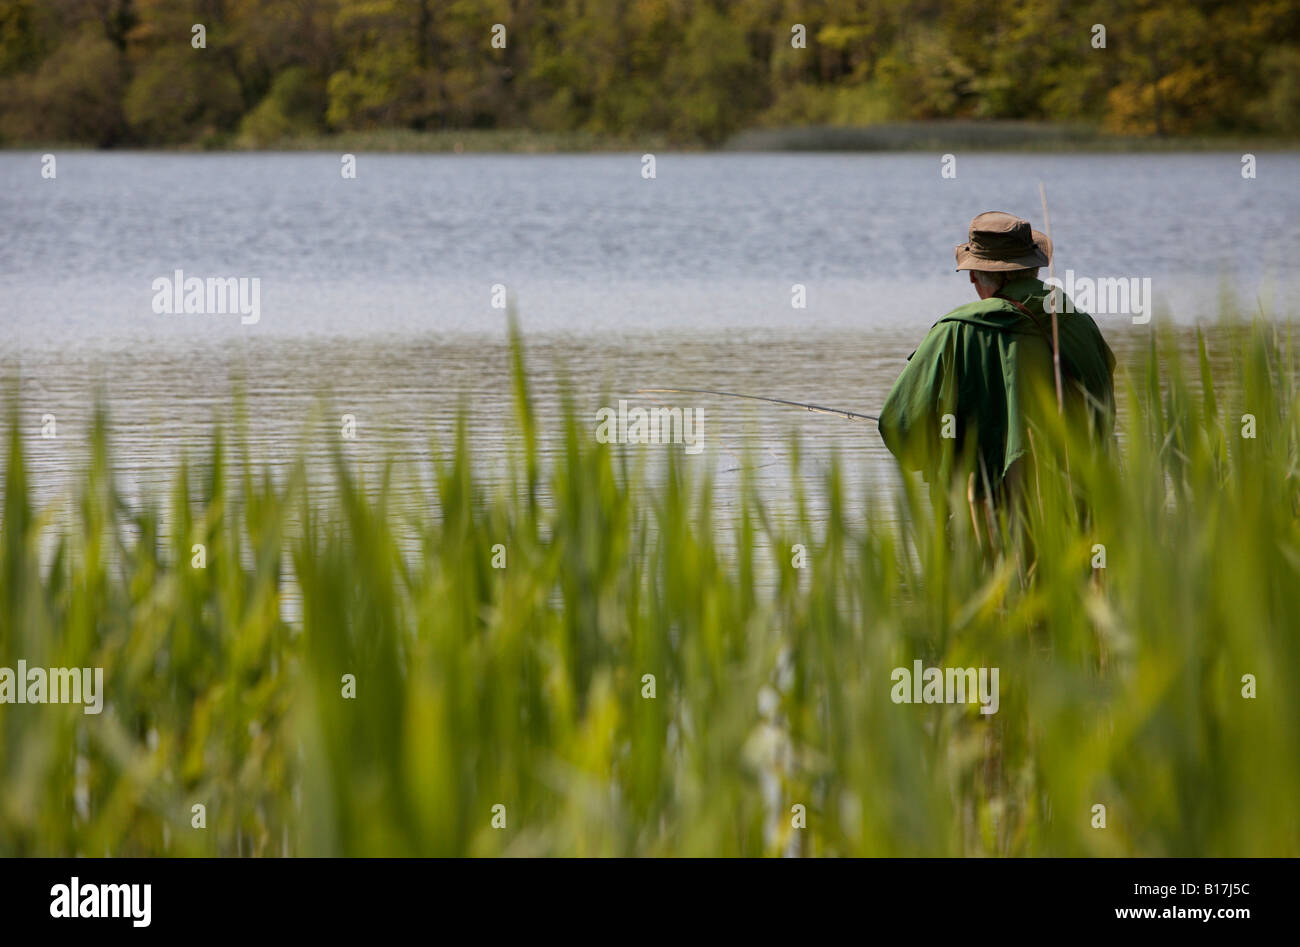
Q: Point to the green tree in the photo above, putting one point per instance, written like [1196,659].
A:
[713,81]
[75,95]
[180,95]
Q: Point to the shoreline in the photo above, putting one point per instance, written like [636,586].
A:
[892,137]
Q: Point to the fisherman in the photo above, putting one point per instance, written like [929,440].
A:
[965,405]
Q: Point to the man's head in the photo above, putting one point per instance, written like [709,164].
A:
[1001,247]
[987,283]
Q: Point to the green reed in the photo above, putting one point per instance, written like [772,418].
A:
[524,686]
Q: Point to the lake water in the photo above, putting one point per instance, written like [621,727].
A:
[379,289]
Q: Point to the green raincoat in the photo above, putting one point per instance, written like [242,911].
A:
[989,365]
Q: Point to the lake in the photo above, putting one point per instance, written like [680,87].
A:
[379,290]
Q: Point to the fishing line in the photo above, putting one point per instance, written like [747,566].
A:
[816,408]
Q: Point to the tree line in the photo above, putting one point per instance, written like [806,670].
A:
[212,72]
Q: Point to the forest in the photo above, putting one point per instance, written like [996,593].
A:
[251,73]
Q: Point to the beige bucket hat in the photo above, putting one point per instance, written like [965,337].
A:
[1000,242]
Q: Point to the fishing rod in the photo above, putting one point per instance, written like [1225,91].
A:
[816,408]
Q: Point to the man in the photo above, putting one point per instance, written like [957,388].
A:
[965,405]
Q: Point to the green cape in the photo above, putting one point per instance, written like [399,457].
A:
[980,364]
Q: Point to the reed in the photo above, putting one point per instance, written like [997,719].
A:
[525,686]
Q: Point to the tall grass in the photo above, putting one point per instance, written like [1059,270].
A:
[524,686]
